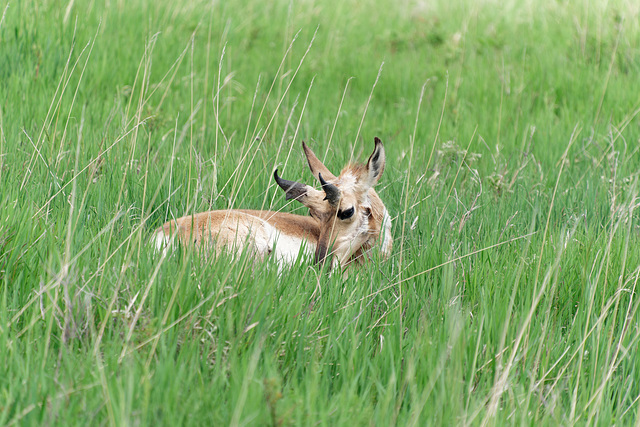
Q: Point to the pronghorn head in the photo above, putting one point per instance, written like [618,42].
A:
[349,211]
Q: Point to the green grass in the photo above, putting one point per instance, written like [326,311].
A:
[512,136]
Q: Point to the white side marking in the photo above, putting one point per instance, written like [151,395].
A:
[261,236]
[162,242]
[286,248]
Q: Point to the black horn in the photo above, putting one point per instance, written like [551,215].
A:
[331,191]
[292,189]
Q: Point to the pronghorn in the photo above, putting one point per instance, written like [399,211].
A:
[346,219]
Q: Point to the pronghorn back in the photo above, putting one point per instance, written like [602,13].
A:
[346,219]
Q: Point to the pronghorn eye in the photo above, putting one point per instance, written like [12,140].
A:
[346,214]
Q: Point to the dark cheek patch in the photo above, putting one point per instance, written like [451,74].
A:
[348,213]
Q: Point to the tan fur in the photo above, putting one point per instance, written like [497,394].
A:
[207,225]
[239,230]
[327,231]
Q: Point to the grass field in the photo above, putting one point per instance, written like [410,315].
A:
[512,133]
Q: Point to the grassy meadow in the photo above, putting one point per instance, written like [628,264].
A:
[512,134]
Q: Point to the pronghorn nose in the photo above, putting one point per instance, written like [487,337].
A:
[331,191]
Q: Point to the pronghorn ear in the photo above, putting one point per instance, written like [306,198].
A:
[375,165]
[316,165]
